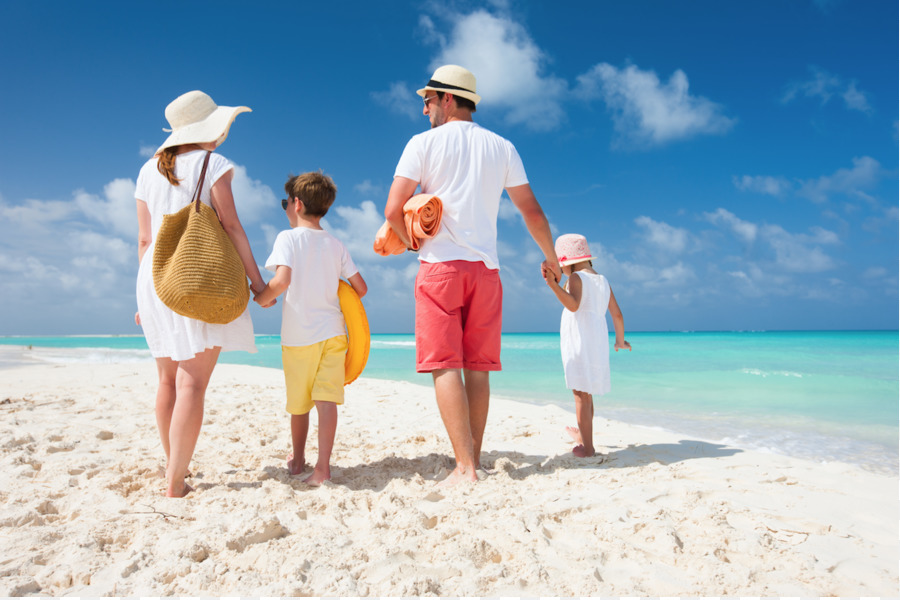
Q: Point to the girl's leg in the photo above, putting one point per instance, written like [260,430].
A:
[299,430]
[187,417]
[328,417]
[165,399]
[584,414]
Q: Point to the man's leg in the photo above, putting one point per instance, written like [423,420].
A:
[454,407]
[478,393]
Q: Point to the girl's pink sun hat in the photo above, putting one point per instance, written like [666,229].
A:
[572,248]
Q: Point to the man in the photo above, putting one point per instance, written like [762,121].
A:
[458,291]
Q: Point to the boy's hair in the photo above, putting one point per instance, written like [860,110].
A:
[315,189]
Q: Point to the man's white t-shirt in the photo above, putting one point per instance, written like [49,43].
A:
[311,312]
[467,167]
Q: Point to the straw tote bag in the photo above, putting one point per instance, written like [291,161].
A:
[196,270]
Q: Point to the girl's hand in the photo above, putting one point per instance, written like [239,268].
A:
[548,275]
[623,345]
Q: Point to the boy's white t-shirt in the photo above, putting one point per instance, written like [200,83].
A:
[467,167]
[310,310]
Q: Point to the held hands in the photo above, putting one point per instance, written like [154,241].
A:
[623,345]
[256,298]
[549,275]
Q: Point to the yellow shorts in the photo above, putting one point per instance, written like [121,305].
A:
[314,373]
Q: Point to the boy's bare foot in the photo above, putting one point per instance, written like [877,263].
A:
[458,477]
[317,478]
[575,434]
[184,492]
[582,452]
[295,467]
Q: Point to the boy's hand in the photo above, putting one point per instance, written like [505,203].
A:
[271,302]
[623,345]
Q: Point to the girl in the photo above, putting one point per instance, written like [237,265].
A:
[583,332]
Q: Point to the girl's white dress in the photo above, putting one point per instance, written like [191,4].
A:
[584,337]
[169,334]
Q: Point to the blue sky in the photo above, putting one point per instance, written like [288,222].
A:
[733,164]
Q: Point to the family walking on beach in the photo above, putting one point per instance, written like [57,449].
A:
[458,294]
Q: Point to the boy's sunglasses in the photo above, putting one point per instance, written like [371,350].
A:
[284,203]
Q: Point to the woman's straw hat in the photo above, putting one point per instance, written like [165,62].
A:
[454,80]
[196,119]
[572,248]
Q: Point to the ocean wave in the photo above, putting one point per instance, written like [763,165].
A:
[88,355]
[761,373]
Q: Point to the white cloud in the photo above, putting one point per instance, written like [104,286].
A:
[147,151]
[251,197]
[358,230]
[763,184]
[647,111]
[743,229]
[508,66]
[823,86]
[800,253]
[367,188]
[663,235]
[401,99]
[853,182]
[115,209]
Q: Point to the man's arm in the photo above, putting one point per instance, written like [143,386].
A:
[523,199]
[402,189]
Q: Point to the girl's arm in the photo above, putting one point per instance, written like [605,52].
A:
[618,322]
[275,288]
[223,202]
[359,285]
[570,299]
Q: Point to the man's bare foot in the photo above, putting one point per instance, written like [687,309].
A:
[318,477]
[458,477]
[575,434]
[582,452]
[295,467]
[184,492]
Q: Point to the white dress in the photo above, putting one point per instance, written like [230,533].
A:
[584,337]
[169,334]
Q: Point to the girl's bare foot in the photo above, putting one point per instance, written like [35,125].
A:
[582,452]
[295,467]
[184,492]
[317,478]
[575,434]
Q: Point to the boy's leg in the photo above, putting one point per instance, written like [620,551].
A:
[299,430]
[584,414]
[328,417]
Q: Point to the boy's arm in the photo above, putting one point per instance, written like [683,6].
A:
[276,286]
[570,299]
[618,322]
[358,284]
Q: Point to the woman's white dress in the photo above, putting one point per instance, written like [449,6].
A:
[584,337]
[169,334]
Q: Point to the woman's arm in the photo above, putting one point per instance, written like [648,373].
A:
[145,236]
[223,202]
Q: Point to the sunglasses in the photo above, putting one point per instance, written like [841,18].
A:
[284,203]
[426,99]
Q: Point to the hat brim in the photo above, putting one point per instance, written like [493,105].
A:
[572,261]
[210,129]
[461,93]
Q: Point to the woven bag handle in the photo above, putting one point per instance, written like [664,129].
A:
[200,183]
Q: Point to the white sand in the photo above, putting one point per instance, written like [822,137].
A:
[83,513]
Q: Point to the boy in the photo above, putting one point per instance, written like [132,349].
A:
[308,263]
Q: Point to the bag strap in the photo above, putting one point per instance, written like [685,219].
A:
[200,183]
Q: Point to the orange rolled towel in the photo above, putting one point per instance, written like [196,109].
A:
[422,216]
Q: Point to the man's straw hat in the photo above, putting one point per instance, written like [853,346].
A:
[454,80]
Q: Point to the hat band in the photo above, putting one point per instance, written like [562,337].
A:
[434,83]
[582,257]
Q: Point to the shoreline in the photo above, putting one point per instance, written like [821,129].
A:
[656,515]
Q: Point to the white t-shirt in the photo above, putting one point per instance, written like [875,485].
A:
[467,167]
[310,310]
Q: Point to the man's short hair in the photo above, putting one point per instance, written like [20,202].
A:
[460,101]
[315,189]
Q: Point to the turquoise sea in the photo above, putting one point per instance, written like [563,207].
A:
[821,395]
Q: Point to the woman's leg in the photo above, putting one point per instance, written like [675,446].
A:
[191,380]
[165,399]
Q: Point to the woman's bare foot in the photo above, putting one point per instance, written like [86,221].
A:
[458,477]
[582,452]
[184,492]
[575,434]
[295,467]
[318,477]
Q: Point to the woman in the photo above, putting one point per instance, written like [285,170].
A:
[186,350]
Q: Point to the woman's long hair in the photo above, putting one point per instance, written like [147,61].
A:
[166,164]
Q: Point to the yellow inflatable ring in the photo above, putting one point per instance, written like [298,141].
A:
[357,332]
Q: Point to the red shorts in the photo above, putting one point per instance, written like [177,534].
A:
[459,308]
